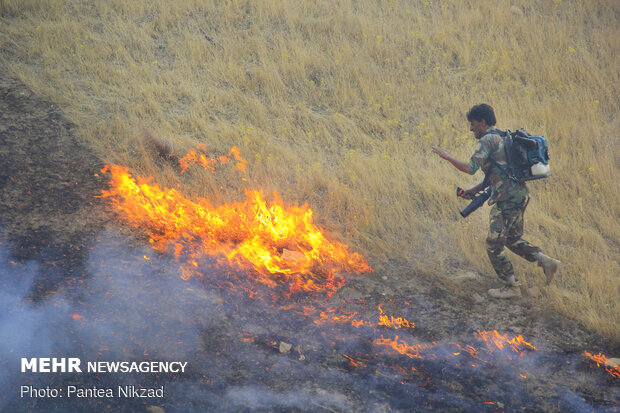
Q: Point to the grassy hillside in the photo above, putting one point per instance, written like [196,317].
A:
[337,103]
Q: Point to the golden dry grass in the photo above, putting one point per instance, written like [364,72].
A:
[336,104]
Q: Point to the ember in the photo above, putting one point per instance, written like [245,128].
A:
[601,360]
[396,323]
[517,344]
[492,338]
[346,317]
[411,351]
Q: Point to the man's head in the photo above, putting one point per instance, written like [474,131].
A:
[481,117]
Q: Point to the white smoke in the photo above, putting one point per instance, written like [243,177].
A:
[132,304]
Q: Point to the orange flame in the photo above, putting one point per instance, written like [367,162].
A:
[469,349]
[411,351]
[601,360]
[197,157]
[395,323]
[248,234]
[346,318]
[516,344]
[492,338]
[354,362]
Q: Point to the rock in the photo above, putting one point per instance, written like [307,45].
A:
[478,298]
[155,409]
[294,256]
[285,347]
[613,362]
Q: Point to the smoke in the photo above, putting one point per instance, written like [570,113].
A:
[246,350]
[134,303]
[25,329]
[263,398]
[130,306]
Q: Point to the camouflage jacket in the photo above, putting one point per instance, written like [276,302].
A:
[491,146]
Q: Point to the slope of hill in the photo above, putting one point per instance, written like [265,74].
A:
[336,104]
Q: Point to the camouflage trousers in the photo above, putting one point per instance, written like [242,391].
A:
[506,230]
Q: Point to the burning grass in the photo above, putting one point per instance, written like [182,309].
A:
[275,245]
[394,322]
[493,339]
[260,238]
[602,361]
[278,242]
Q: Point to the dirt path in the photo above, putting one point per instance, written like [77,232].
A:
[49,214]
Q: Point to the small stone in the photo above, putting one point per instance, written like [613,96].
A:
[384,278]
[478,298]
[285,347]
[155,409]
[294,256]
[302,357]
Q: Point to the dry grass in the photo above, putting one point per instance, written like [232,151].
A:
[336,104]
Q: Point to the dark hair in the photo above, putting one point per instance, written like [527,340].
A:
[480,112]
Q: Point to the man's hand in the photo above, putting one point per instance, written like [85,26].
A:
[471,192]
[460,165]
[466,193]
[441,152]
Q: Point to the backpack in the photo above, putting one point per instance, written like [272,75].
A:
[527,156]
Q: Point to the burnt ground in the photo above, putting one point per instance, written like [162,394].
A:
[75,283]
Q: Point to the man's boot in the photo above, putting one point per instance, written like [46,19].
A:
[509,290]
[549,265]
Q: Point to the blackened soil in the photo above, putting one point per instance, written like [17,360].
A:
[49,213]
[47,187]
[459,303]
